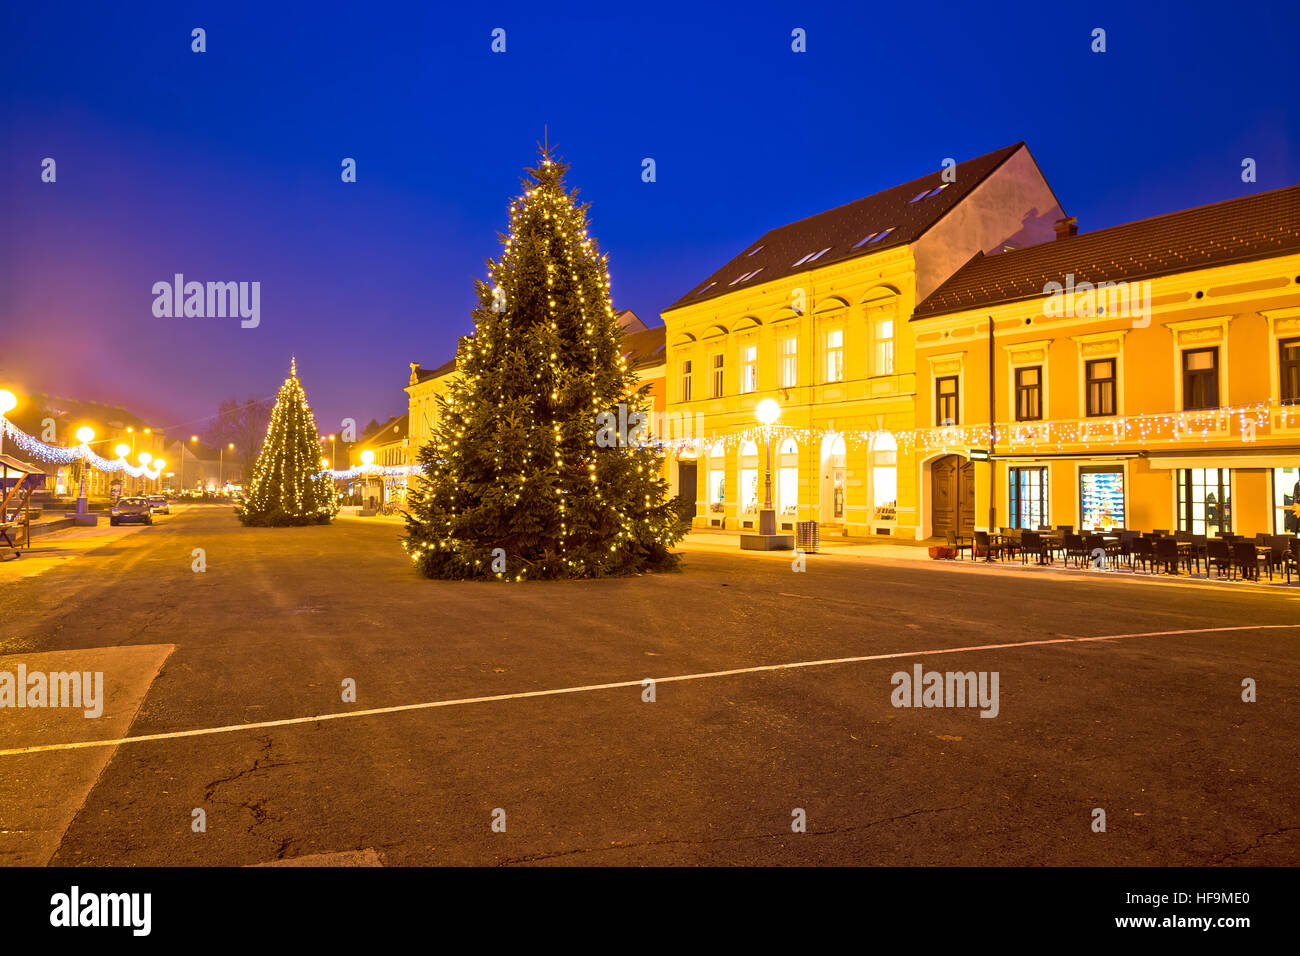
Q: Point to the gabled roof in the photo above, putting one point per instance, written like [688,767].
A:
[1236,230]
[831,236]
[395,429]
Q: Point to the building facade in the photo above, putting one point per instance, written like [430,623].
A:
[1144,376]
[815,314]
[643,349]
[952,355]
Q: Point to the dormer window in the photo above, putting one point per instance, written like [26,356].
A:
[813,256]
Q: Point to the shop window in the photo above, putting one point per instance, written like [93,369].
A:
[1204,500]
[749,493]
[884,478]
[787,479]
[1027,497]
[1101,498]
[1286,500]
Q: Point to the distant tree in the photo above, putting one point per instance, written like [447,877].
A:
[242,424]
[286,486]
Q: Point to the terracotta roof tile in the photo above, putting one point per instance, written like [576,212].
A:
[1236,230]
[836,234]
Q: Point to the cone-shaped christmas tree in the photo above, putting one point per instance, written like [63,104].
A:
[519,481]
[287,487]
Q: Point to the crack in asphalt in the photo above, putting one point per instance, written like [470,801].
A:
[531,858]
[1259,840]
[256,808]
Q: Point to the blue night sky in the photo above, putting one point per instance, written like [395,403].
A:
[225,165]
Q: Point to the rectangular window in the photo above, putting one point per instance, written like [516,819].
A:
[1099,383]
[789,361]
[1027,497]
[1101,498]
[717,374]
[945,400]
[835,355]
[1204,500]
[1201,378]
[686,380]
[1286,501]
[1288,367]
[884,336]
[749,367]
[1029,394]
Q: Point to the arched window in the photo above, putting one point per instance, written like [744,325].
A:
[787,479]
[717,477]
[882,326]
[749,499]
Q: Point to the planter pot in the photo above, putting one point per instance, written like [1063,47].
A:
[941,552]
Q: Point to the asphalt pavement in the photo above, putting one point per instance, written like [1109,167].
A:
[502,724]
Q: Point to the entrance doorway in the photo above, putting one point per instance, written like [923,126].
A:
[687,489]
[952,495]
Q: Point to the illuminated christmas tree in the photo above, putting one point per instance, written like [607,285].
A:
[287,487]
[518,480]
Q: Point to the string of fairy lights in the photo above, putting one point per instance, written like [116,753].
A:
[72,454]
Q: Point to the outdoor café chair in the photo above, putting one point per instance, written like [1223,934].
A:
[957,543]
[1032,543]
[1074,548]
[1245,557]
[1168,555]
[985,547]
[1218,555]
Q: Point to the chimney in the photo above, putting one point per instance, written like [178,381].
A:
[1069,226]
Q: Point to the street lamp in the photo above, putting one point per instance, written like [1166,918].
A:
[8,402]
[221,466]
[768,411]
[83,516]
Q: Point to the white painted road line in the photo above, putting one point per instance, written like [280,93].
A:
[430,704]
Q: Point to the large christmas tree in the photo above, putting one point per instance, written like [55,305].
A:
[287,487]
[515,483]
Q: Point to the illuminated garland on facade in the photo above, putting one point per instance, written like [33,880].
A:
[1110,431]
[60,455]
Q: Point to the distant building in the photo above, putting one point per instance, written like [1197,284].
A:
[389,443]
[643,347]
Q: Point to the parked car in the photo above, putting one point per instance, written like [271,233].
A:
[130,509]
[158,505]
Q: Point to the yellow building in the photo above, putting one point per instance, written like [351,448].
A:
[389,445]
[814,314]
[1143,376]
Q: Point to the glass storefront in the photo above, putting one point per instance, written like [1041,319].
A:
[1204,500]
[1286,500]
[1101,498]
[1027,497]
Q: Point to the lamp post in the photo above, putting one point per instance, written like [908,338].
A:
[221,466]
[767,412]
[8,402]
[158,465]
[83,515]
